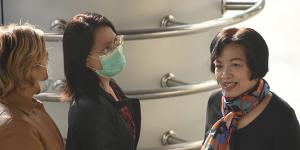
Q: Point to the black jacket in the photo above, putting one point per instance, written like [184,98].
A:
[276,128]
[96,124]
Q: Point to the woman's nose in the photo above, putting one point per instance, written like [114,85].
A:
[226,73]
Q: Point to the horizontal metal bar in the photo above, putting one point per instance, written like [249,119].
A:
[169,138]
[169,80]
[48,97]
[152,93]
[174,91]
[182,146]
[53,37]
[151,33]
[170,21]
[175,140]
[174,143]
[175,82]
[238,5]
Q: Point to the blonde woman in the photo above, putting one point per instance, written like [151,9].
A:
[24,123]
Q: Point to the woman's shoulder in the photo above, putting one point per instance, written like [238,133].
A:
[88,105]
[279,105]
[86,113]
[5,115]
[12,121]
[279,110]
[214,106]
[9,113]
[284,121]
[19,132]
[216,94]
[215,99]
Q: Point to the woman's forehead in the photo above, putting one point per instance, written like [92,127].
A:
[232,51]
[104,35]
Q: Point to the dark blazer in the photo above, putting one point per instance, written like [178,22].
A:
[96,124]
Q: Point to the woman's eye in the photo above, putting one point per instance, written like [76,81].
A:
[218,66]
[236,65]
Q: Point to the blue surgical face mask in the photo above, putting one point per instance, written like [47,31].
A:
[112,63]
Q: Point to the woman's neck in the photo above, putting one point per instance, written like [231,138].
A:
[104,83]
[24,93]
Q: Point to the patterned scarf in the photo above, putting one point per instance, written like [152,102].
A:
[233,109]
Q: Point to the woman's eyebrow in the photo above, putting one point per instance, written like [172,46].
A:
[236,58]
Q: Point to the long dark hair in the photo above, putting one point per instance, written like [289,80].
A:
[78,41]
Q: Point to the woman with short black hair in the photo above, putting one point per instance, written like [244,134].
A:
[245,114]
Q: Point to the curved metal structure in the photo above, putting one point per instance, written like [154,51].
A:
[172,142]
[185,29]
[152,93]
[182,146]
[169,80]
[173,91]
[169,138]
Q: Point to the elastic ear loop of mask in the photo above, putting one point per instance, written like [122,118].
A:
[93,59]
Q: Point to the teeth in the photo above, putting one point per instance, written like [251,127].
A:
[229,84]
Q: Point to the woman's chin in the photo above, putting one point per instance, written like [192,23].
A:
[36,89]
[227,93]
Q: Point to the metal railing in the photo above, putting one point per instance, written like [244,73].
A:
[172,142]
[181,88]
[170,137]
[169,80]
[171,86]
[173,91]
[236,5]
[182,146]
[185,29]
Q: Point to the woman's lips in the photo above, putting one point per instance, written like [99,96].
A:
[229,85]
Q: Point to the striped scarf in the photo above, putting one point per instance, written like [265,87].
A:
[232,110]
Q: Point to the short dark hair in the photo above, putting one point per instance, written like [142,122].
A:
[78,40]
[256,49]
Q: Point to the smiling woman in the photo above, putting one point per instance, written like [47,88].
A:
[232,72]
[245,114]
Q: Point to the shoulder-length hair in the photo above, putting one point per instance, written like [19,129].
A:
[21,46]
[78,40]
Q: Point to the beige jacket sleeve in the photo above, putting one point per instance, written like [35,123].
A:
[19,135]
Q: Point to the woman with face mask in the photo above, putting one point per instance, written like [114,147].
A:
[24,123]
[101,117]
[245,114]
